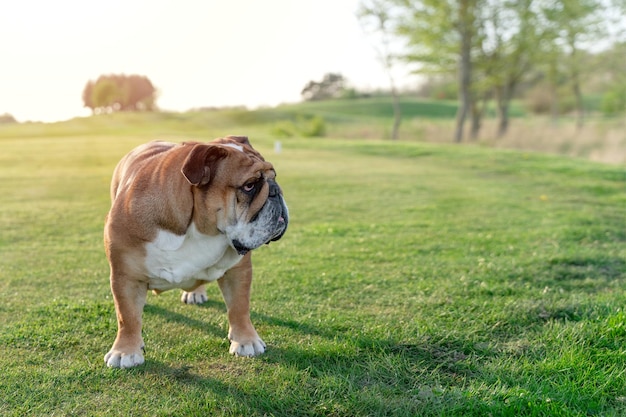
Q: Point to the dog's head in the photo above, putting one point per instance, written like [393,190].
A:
[235,192]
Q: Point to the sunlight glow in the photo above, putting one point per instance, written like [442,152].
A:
[197,53]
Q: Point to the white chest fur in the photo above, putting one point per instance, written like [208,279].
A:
[177,261]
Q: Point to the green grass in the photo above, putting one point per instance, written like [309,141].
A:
[380,107]
[415,279]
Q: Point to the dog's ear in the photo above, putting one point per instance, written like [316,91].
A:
[200,161]
[240,139]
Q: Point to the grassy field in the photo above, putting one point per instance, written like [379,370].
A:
[416,279]
[601,139]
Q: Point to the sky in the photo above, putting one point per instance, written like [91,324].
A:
[197,53]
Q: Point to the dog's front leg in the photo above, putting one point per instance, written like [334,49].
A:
[130,298]
[235,287]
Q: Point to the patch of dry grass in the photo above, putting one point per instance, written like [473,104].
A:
[599,140]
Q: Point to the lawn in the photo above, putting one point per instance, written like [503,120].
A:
[415,279]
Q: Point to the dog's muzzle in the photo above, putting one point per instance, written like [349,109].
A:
[269,225]
[283,218]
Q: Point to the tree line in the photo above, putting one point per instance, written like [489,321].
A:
[119,92]
[493,46]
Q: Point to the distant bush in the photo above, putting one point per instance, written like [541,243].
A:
[614,101]
[283,129]
[437,88]
[308,127]
[538,100]
[445,92]
[350,93]
[6,118]
[315,127]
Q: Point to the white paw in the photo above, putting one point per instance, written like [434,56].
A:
[197,296]
[118,359]
[252,348]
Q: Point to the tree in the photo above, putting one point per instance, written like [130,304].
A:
[140,93]
[494,45]
[87,96]
[331,86]
[508,36]
[613,73]
[375,18]
[570,24]
[440,37]
[106,94]
[111,93]
[488,43]
[466,30]
[6,118]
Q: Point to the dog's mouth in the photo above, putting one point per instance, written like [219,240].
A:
[240,247]
[280,231]
[279,222]
[281,228]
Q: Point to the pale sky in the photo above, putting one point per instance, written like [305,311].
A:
[196,52]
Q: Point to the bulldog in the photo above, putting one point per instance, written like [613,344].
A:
[183,215]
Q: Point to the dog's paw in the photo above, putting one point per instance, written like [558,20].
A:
[251,348]
[197,296]
[118,359]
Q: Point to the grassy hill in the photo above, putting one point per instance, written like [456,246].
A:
[601,139]
[415,279]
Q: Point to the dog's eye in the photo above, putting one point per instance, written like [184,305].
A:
[249,187]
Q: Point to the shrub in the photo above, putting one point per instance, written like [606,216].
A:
[614,101]
[283,129]
[6,118]
[538,100]
[313,127]
[308,127]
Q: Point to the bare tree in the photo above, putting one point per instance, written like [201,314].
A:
[465,27]
[374,16]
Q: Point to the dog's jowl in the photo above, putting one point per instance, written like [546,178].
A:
[183,215]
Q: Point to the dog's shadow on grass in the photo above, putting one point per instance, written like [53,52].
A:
[338,353]
[358,364]
[370,360]
[349,352]
[189,319]
[362,360]
[349,361]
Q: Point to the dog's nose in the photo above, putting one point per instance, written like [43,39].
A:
[274,189]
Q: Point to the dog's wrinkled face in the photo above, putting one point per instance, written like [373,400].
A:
[235,191]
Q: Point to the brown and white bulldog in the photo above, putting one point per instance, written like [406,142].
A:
[183,215]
